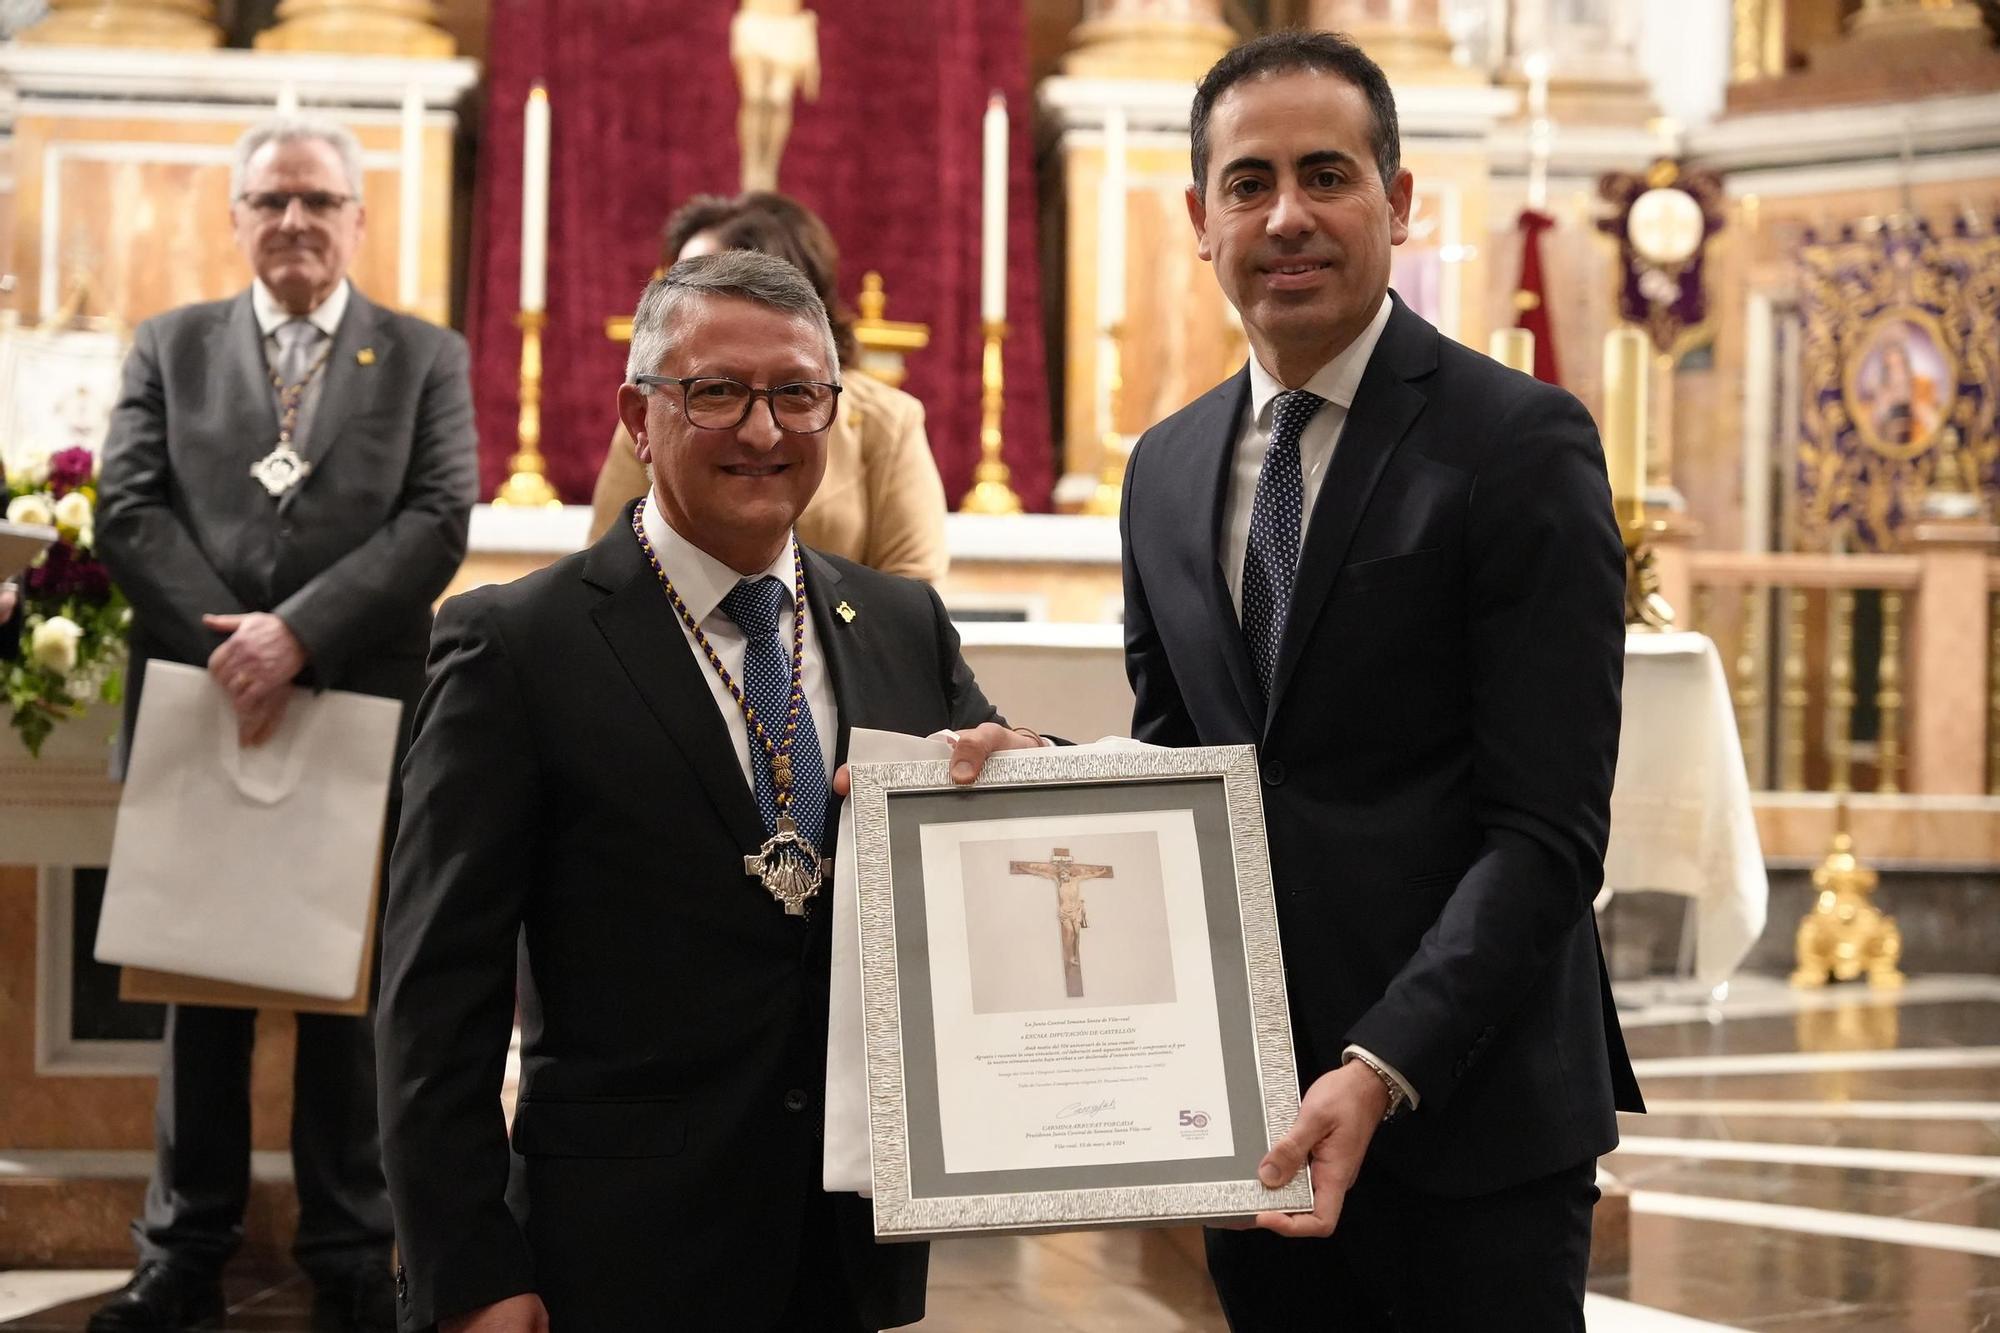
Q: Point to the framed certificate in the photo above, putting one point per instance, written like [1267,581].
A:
[1073,993]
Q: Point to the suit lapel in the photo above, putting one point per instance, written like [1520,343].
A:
[843,643]
[639,623]
[346,382]
[1385,407]
[1216,421]
[237,351]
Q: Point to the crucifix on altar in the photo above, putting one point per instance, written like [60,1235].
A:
[1068,875]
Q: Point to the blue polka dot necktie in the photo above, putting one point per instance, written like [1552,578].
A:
[1272,554]
[766,681]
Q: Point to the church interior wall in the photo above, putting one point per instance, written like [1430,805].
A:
[91,182]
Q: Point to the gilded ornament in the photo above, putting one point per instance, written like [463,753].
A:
[1898,367]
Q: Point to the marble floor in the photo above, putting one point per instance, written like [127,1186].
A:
[1825,1162]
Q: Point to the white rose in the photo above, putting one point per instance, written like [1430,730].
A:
[32,473]
[53,644]
[31,509]
[73,510]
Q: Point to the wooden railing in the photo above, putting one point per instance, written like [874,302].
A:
[1860,672]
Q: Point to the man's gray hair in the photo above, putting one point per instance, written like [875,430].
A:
[747,275]
[295,129]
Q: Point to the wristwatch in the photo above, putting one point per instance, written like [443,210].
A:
[1398,1103]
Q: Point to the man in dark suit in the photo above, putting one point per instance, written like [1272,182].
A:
[601,746]
[1392,564]
[286,487]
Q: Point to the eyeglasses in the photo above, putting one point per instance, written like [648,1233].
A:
[715,402]
[276,203]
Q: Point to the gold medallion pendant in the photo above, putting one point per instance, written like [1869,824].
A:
[281,469]
[788,866]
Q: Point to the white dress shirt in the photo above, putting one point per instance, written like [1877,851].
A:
[1336,382]
[703,581]
[325,316]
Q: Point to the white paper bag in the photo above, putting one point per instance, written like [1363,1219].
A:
[20,543]
[251,866]
[846,1168]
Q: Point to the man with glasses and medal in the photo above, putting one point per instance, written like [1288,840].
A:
[622,762]
[285,491]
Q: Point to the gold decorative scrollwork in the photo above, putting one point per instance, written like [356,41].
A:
[1899,368]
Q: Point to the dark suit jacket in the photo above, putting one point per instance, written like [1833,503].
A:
[572,782]
[1439,747]
[353,556]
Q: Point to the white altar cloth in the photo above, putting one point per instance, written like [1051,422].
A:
[1681,819]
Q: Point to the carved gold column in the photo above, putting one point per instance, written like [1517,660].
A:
[1840,690]
[1749,687]
[1756,40]
[1592,48]
[1795,696]
[359,27]
[1889,696]
[1406,37]
[180,24]
[1148,39]
[1888,48]
[1877,17]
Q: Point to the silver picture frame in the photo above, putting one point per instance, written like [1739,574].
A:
[1006,1093]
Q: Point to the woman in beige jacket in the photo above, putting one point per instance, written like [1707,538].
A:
[882,503]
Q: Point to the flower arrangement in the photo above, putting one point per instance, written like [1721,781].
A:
[73,620]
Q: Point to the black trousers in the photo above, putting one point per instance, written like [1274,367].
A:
[201,1131]
[821,1299]
[1400,1261]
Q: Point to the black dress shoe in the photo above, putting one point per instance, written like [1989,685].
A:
[362,1300]
[161,1297]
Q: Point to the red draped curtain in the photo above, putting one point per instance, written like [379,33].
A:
[644,102]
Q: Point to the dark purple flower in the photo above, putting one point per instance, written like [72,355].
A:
[69,469]
[64,573]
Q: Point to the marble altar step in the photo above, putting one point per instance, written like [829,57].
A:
[74,1209]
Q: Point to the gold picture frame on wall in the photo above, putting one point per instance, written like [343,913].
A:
[1901,381]
[1899,376]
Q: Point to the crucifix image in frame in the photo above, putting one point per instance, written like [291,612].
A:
[1072,914]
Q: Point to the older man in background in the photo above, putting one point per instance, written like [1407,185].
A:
[286,487]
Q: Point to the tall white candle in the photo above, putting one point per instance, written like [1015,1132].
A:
[410,188]
[993,215]
[288,99]
[535,203]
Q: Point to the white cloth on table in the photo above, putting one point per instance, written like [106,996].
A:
[1681,819]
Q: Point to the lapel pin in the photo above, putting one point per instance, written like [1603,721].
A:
[845,612]
[365,357]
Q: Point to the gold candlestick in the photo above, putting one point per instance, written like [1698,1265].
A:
[1627,362]
[1103,501]
[527,485]
[1846,936]
[990,493]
